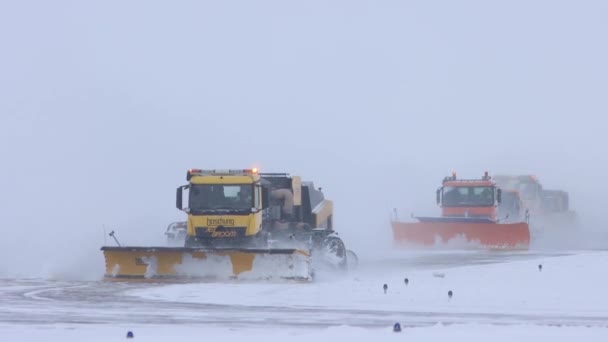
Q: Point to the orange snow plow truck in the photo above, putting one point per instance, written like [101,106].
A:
[469,210]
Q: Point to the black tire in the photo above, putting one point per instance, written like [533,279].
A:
[352,259]
[335,246]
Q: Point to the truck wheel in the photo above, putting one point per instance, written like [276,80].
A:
[352,259]
[335,252]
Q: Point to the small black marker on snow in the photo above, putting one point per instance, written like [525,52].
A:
[406,281]
[450,294]
[540,268]
[385,287]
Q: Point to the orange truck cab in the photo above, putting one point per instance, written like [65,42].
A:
[469,198]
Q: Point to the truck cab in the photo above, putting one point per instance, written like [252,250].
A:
[236,208]
[222,205]
[511,207]
[529,188]
[470,198]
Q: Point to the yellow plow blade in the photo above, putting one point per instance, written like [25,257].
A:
[204,263]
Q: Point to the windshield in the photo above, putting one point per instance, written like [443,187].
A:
[528,190]
[221,196]
[468,196]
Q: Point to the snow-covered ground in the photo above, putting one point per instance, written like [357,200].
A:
[499,294]
[439,332]
[568,286]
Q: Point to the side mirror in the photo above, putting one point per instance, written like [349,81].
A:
[438,196]
[498,195]
[265,197]
[178,198]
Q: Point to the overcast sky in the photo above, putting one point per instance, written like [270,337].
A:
[105,104]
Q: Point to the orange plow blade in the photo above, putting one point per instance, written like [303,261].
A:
[488,235]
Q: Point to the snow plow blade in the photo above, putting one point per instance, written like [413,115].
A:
[206,264]
[485,233]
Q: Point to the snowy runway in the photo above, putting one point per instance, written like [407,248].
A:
[492,291]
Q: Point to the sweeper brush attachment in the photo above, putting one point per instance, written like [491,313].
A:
[206,264]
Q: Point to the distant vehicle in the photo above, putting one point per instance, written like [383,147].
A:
[468,209]
[511,208]
[547,208]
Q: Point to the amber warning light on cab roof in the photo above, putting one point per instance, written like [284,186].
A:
[200,172]
[486,176]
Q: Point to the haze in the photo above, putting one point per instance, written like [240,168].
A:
[104,105]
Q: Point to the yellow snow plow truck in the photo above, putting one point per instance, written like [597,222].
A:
[241,224]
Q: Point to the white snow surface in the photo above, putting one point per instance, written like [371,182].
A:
[567,285]
[469,333]
[511,300]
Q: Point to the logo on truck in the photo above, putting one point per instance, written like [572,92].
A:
[214,222]
[223,234]
[219,232]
